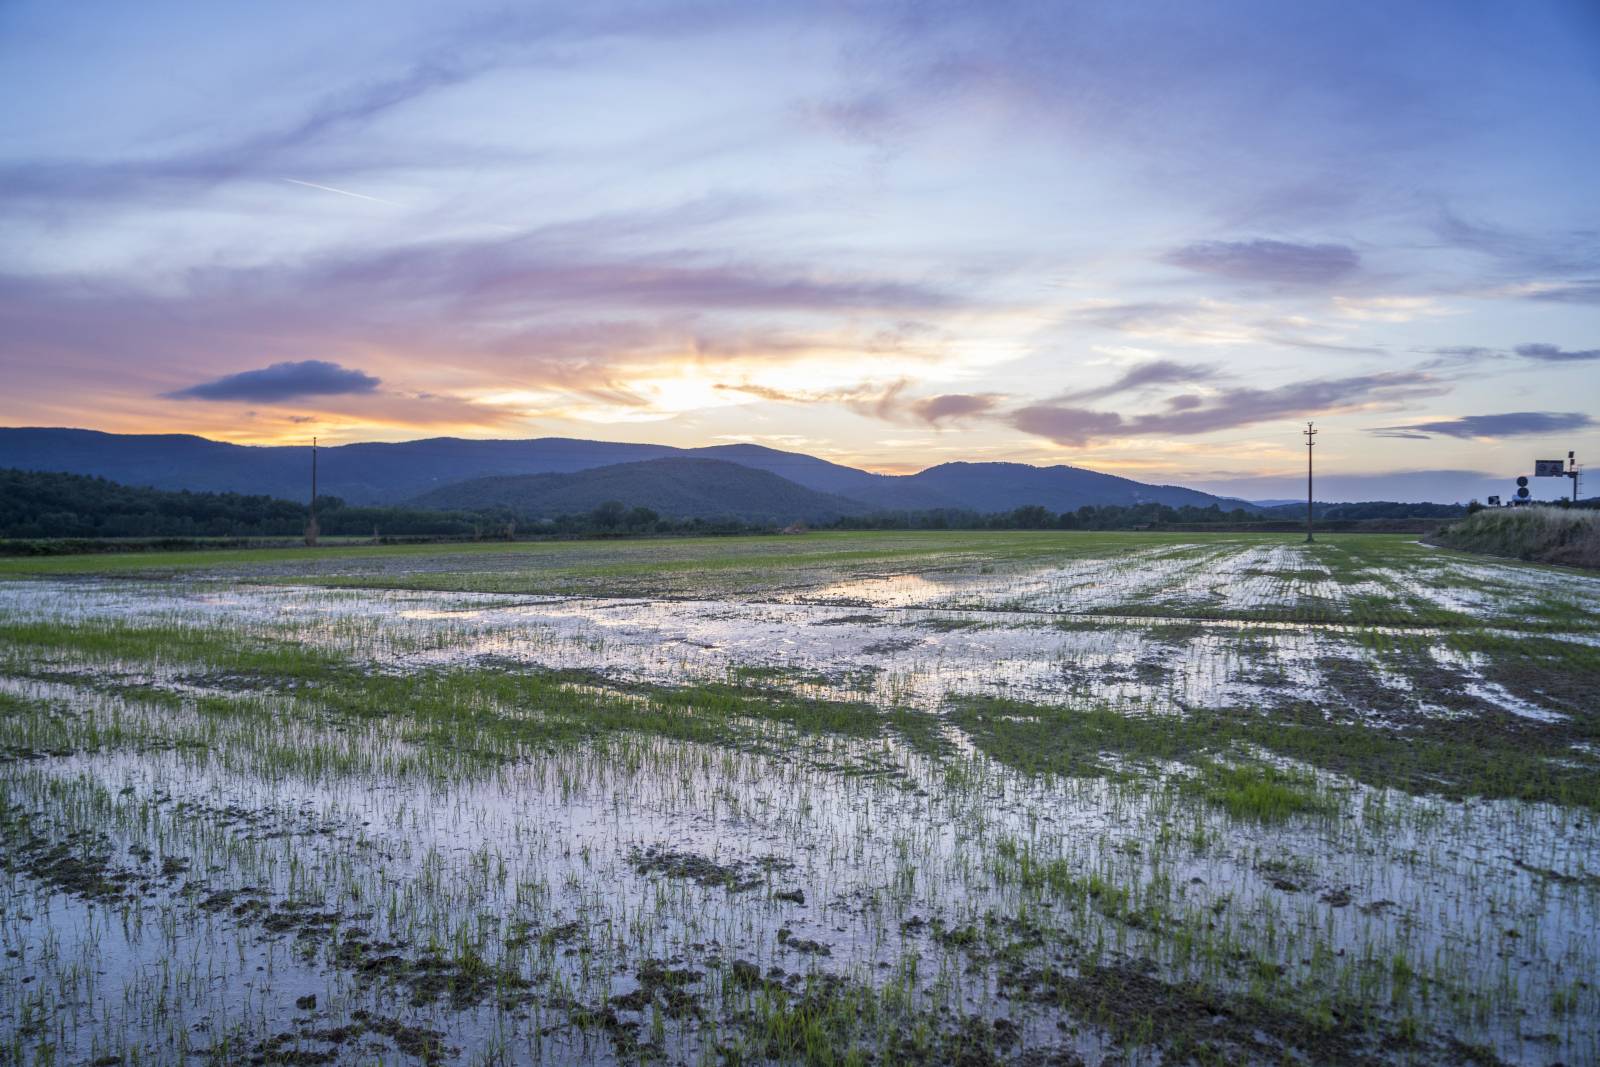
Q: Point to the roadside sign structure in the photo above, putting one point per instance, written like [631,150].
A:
[1556,468]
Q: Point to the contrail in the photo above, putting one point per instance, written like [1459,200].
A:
[343,192]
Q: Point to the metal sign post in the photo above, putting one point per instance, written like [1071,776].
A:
[1556,468]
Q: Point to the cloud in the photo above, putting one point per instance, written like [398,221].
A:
[936,409]
[1585,291]
[1452,355]
[1230,408]
[318,135]
[250,156]
[563,266]
[871,118]
[1154,372]
[1553,354]
[886,402]
[1507,424]
[1388,308]
[1286,98]
[1068,425]
[282,381]
[1209,322]
[1268,261]
[1466,355]
[568,305]
[1524,253]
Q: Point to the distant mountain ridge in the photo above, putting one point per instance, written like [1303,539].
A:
[385,473]
[991,487]
[678,487]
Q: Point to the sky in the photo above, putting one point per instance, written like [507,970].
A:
[1152,239]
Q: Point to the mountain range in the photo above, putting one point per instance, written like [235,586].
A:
[554,474]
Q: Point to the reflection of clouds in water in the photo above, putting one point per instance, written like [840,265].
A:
[921,642]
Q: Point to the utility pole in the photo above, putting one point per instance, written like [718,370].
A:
[311,526]
[1310,432]
[1572,472]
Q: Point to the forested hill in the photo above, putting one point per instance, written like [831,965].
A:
[676,488]
[35,504]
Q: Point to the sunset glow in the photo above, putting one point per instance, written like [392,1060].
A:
[1151,239]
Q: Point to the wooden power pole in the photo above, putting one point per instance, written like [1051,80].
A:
[1311,432]
[311,526]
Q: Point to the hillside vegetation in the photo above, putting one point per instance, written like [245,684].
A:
[1542,535]
[45,504]
[53,512]
[675,488]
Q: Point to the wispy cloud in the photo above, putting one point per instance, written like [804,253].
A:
[529,272]
[1505,424]
[1152,373]
[936,410]
[250,156]
[1554,354]
[890,402]
[1227,409]
[1523,253]
[1284,262]
[1212,322]
[1583,291]
[1389,308]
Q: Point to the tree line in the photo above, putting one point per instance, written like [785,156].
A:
[50,505]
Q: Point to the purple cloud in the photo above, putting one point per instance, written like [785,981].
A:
[1155,372]
[1226,410]
[1527,253]
[1553,354]
[1268,261]
[887,402]
[282,381]
[561,268]
[935,409]
[1586,291]
[1506,424]
[1066,425]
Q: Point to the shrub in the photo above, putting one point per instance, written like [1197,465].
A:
[1540,534]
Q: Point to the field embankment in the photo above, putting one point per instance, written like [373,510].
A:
[1542,535]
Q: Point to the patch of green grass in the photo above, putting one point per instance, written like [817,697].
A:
[1258,792]
[1442,756]
[481,713]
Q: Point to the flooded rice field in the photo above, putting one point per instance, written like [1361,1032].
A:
[872,798]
